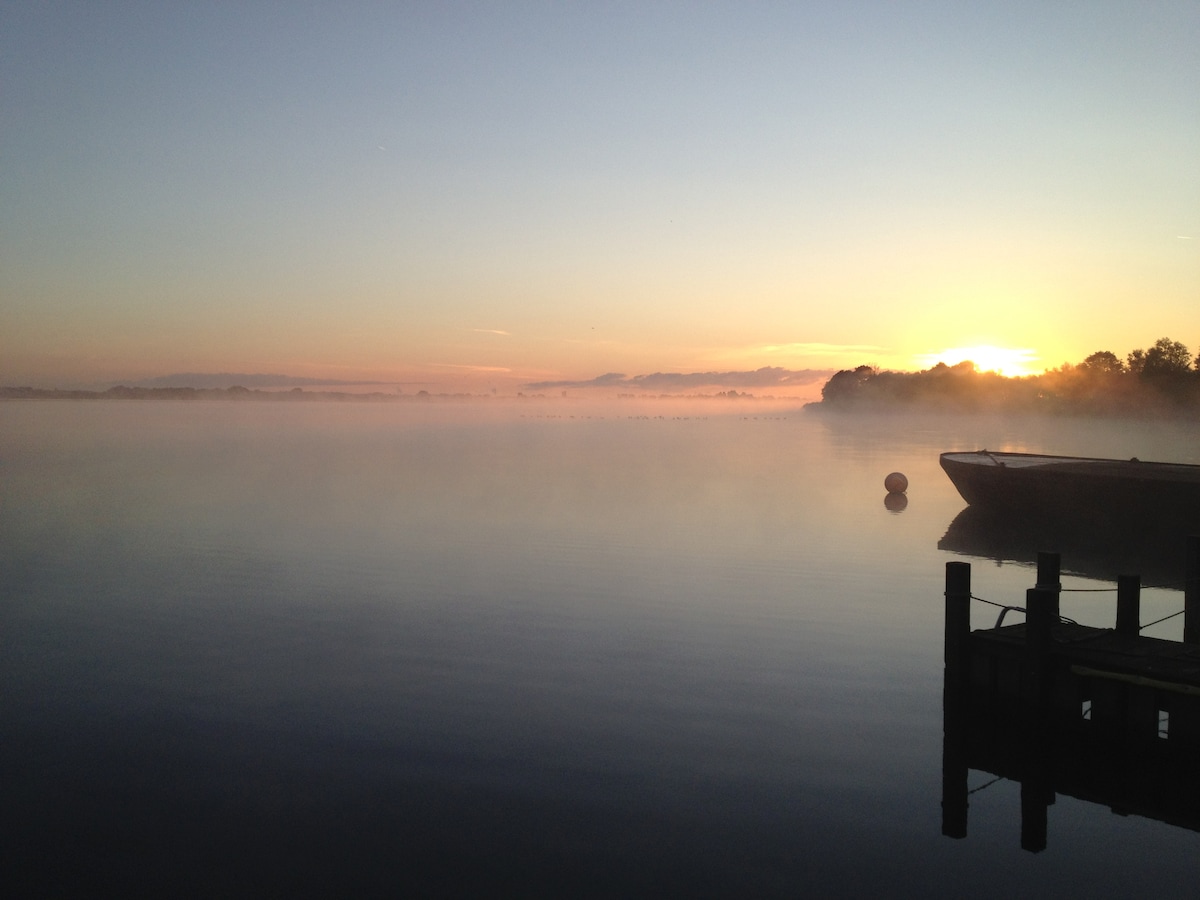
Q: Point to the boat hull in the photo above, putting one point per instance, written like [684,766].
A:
[1075,486]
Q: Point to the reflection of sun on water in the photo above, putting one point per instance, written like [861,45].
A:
[1010,361]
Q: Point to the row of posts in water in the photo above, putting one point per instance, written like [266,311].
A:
[1097,713]
[1042,606]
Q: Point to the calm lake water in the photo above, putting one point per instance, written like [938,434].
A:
[545,649]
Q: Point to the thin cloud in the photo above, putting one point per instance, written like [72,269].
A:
[472,368]
[219,380]
[818,349]
[491,331]
[766,377]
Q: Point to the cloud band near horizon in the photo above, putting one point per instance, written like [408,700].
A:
[768,376]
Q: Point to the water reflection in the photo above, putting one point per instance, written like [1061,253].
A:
[1100,549]
[1152,778]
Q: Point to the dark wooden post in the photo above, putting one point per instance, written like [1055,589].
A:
[958,625]
[1129,596]
[1191,592]
[954,699]
[1041,615]
[1049,579]
[1039,619]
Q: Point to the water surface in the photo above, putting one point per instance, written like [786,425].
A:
[460,649]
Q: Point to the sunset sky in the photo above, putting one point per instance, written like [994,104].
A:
[499,194]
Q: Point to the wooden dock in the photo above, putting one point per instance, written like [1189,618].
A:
[1099,713]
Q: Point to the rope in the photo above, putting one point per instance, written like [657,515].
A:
[1163,619]
[1004,609]
[1168,586]
[1165,586]
[987,785]
[1000,605]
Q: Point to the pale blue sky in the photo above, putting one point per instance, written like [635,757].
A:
[538,191]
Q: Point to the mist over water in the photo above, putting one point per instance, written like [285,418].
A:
[539,647]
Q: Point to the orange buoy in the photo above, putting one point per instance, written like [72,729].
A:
[896,483]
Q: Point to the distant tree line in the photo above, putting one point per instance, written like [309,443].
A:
[1163,379]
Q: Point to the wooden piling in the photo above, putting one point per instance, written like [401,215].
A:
[1039,606]
[1040,617]
[958,626]
[1129,595]
[955,699]
[1191,592]
[1049,566]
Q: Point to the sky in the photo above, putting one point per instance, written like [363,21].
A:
[492,195]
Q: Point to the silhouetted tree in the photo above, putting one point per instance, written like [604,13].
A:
[845,385]
[1135,361]
[1103,362]
[1162,380]
[1166,358]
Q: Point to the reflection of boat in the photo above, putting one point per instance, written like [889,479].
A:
[1075,486]
[1094,547]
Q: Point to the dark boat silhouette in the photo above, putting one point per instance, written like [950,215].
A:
[1076,487]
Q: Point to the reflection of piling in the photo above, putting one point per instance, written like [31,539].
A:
[1036,798]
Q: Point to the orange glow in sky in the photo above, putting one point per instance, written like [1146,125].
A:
[488,196]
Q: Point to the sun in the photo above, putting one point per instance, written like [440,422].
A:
[1010,361]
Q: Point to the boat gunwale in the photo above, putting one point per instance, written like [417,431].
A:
[997,456]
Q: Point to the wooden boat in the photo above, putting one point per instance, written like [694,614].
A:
[1072,486]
